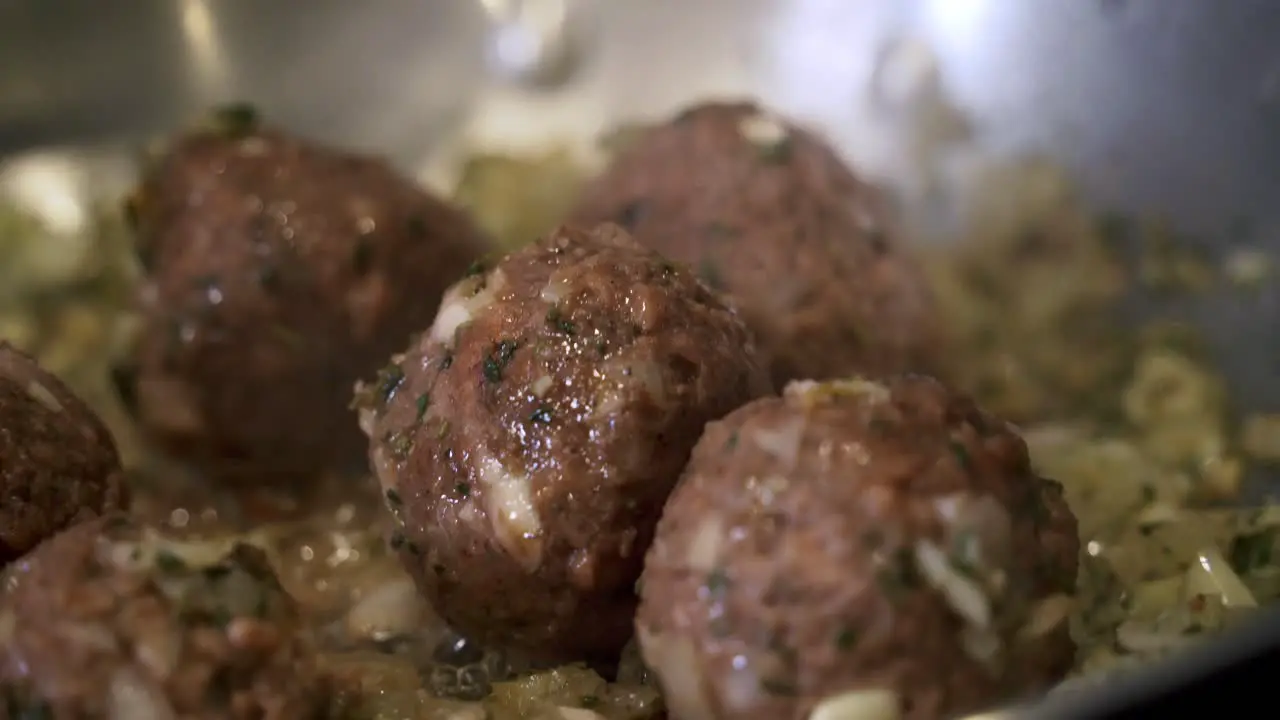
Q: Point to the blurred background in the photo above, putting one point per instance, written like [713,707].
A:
[1166,104]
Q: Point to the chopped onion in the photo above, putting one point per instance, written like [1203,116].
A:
[132,698]
[1046,615]
[782,442]
[812,391]
[541,386]
[95,636]
[653,380]
[1158,513]
[470,514]
[859,705]
[159,652]
[963,594]
[1147,600]
[611,403]
[195,553]
[989,522]
[800,388]
[981,644]
[390,608]
[618,375]
[126,555]
[1139,637]
[1052,435]
[767,489]
[457,310]
[556,289]
[1213,574]
[704,550]
[511,510]
[762,130]
[673,660]
[44,396]
[741,687]
[252,147]
[573,713]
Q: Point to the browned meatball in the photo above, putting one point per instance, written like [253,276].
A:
[279,272]
[108,620]
[527,441]
[768,213]
[58,463]
[853,536]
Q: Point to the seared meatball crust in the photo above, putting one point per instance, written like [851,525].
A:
[854,536]
[527,441]
[279,272]
[767,212]
[58,462]
[107,620]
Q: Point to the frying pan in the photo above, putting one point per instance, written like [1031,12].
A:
[1167,108]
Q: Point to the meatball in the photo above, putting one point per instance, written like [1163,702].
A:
[858,543]
[108,620]
[767,212]
[58,463]
[278,273]
[527,441]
